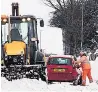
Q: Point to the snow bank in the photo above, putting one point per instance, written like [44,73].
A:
[95,69]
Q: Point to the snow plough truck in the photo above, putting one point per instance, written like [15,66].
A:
[20,54]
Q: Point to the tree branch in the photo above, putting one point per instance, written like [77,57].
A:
[51,4]
[58,1]
[64,3]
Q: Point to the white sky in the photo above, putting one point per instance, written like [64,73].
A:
[51,37]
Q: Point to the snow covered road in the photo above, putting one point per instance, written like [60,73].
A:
[33,85]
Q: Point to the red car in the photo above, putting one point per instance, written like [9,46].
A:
[60,68]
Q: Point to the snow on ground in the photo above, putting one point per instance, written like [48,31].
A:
[33,85]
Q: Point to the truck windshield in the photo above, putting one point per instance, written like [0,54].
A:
[19,31]
[60,61]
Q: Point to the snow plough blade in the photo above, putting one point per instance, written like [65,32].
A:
[13,72]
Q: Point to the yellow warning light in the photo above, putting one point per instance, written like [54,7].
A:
[23,19]
[4,16]
[28,19]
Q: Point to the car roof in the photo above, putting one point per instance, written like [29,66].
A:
[65,56]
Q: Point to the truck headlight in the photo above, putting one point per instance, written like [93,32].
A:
[23,19]
[28,19]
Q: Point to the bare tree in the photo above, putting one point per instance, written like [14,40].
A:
[68,17]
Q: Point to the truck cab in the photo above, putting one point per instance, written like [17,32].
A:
[19,39]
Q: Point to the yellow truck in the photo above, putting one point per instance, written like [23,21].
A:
[19,42]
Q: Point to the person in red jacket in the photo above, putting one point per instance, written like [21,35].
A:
[86,68]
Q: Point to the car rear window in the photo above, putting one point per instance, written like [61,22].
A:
[60,61]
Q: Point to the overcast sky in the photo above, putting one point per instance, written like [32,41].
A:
[51,38]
